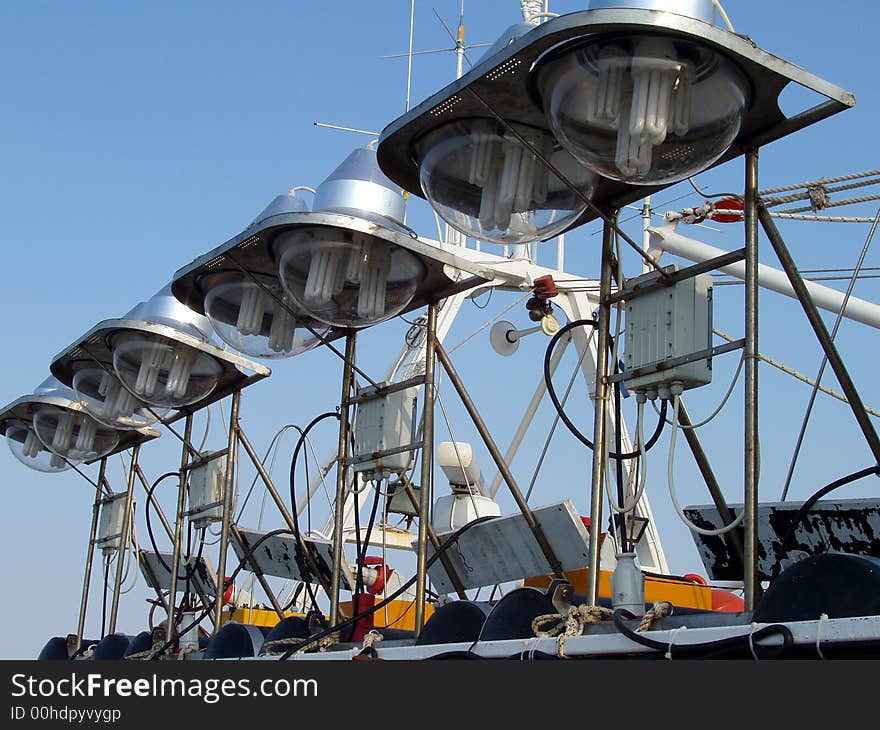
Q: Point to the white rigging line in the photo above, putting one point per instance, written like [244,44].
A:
[837,324]
[795,374]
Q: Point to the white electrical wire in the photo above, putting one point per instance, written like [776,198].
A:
[721,405]
[674,496]
[135,550]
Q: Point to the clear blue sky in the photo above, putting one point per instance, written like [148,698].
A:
[136,136]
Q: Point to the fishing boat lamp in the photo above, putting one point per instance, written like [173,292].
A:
[252,313]
[130,372]
[347,264]
[616,102]
[49,430]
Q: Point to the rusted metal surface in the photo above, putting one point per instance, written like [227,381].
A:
[849,526]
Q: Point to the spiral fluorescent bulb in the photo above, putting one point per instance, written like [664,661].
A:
[660,103]
[373,277]
[250,313]
[32,446]
[180,369]
[148,371]
[511,181]
[62,439]
[282,329]
[326,275]
[118,402]
[85,437]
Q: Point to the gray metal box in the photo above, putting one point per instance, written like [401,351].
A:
[110,523]
[206,492]
[664,324]
[384,426]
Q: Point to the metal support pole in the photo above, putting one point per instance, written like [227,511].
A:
[426,492]
[90,553]
[228,488]
[600,415]
[821,331]
[285,513]
[178,528]
[124,539]
[341,474]
[435,541]
[733,538]
[751,586]
[495,453]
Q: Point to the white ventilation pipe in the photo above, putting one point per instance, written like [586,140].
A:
[665,238]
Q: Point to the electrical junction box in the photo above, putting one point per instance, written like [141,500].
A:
[206,492]
[665,324]
[110,523]
[384,426]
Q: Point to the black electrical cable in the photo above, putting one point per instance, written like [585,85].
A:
[348,622]
[740,643]
[301,562]
[166,475]
[229,581]
[551,391]
[191,569]
[808,505]
[299,444]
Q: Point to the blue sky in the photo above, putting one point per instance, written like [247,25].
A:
[136,136]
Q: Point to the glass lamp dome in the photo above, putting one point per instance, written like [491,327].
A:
[487,184]
[645,108]
[256,318]
[346,278]
[161,371]
[106,399]
[27,447]
[73,435]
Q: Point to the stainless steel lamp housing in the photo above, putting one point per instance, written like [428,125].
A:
[642,97]
[349,264]
[49,430]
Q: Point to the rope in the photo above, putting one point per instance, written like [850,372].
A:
[660,610]
[673,635]
[823,218]
[321,644]
[152,652]
[570,624]
[371,639]
[822,619]
[823,181]
[817,194]
[800,376]
[850,201]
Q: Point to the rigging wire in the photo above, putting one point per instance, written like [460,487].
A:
[837,323]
